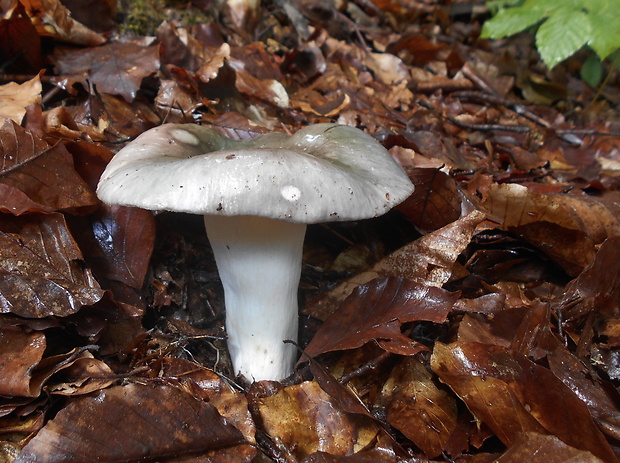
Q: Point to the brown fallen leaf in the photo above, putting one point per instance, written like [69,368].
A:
[435,202]
[41,271]
[429,260]
[380,453]
[130,423]
[210,387]
[572,250]
[116,68]
[597,287]
[306,420]
[541,448]
[53,19]
[515,206]
[20,352]
[512,395]
[37,177]
[377,310]
[423,412]
[15,97]
[119,244]
[20,41]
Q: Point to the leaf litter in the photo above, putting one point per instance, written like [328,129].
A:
[476,323]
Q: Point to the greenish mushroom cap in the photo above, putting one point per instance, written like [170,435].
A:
[323,172]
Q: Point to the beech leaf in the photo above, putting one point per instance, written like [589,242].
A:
[41,272]
[428,260]
[37,177]
[131,423]
[116,68]
[512,394]
[377,311]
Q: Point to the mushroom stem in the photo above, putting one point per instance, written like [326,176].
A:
[259,262]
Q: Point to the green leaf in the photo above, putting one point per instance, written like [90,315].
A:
[605,33]
[511,21]
[592,71]
[561,35]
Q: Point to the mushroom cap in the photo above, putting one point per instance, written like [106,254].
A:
[323,172]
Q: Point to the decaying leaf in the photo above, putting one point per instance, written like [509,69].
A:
[598,285]
[20,352]
[14,98]
[435,202]
[513,395]
[377,310]
[131,423]
[37,177]
[41,268]
[428,260]
[515,206]
[116,68]
[418,408]
[52,18]
[306,420]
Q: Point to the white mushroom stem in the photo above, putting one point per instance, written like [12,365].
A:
[259,262]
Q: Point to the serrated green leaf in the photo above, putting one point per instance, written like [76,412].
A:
[592,71]
[561,35]
[510,21]
[605,33]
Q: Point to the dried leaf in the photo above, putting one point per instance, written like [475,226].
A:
[428,260]
[515,205]
[419,409]
[83,374]
[306,420]
[377,311]
[15,97]
[35,177]
[19,353]
[53,19]
[572,250]
[138,421]
[41,268]
[435,202]
[512,395]
[116,68]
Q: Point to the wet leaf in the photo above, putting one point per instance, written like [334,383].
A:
[418,408]
[138,421]
[20,352]
[435,202]
[429,260]
[123,239]
[306,420]
[41,268]
[512,395]
[37,177]
[597,286]
[116,68]
[540,448]
[377,311]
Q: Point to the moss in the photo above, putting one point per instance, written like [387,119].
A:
[143,17]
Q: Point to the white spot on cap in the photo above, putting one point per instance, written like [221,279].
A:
[184,136]
[290,193]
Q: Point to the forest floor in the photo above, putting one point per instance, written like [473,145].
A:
[475,322]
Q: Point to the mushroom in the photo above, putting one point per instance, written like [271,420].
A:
[257,197]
